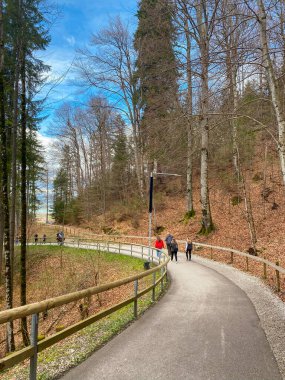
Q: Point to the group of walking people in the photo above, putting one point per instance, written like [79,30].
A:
[36,238]
[172,247]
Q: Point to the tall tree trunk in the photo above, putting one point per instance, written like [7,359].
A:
[234,103]
[207,224]
[14,160]
[232,39]
[272,82]
[47,198]
[24,327]
[4,188]
[1,231]
[249,215]
[190,206]
[138,153]
[248,207]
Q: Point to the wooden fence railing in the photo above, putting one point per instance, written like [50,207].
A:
[35,308]
[266,263]
[135,250]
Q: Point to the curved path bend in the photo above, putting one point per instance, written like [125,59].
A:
[205,327]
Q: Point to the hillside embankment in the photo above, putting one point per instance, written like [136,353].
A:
[266,194]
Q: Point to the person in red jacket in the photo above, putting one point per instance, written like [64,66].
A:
[159,245]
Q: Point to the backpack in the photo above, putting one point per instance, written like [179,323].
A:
[189,246]
[174,247]
[168,239]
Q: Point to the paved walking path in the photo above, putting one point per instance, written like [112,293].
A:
[205,327]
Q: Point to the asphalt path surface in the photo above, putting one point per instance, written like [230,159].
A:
[205,327]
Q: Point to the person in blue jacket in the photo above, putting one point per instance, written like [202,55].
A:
[168,241]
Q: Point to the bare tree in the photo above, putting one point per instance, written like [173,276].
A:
[183,25]
[268,65]
[202,18]
[111,68]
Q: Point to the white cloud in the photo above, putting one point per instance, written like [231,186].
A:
[71,40]
[46,141]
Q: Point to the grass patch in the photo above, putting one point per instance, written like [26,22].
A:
[55,270]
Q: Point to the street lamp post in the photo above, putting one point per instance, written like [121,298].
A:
[150,208]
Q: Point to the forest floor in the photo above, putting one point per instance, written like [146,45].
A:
[53,271]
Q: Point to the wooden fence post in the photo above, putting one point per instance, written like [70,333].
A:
[153,289]
[277,277]
[246,259]
[161,271]
[264,270]
[232,257]
[211,253]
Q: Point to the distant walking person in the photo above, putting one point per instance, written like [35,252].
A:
[174,249]
[159,245]
[188,249]
[36,236]
[60,237]
[168,241]
[44,238]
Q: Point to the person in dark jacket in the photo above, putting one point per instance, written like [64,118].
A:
[168,241]
[188,249]
[174,249]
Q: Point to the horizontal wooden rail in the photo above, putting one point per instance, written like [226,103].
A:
[28,352]
[243,254]
[36,308]
[195,244]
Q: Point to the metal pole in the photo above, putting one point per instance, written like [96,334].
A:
[34,342]
[136,286]
[150,212]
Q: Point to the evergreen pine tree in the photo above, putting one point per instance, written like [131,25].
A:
[156,71]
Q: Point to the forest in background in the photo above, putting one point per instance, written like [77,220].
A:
[196,90]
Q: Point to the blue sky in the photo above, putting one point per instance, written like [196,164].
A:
[72,30]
